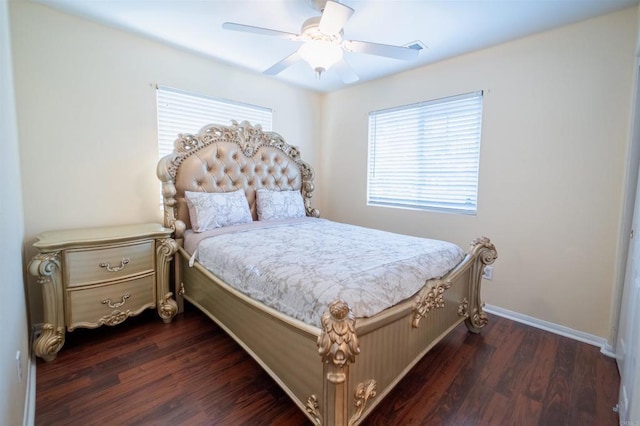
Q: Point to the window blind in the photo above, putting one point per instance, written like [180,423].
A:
[426,155]
[184,112]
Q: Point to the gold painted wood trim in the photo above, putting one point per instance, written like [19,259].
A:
[49,342]
[46,268]
[167,306]
[430,297]
[313,410]
[484,253]
[463,308]
[338,342]
[364,392]
[338,347]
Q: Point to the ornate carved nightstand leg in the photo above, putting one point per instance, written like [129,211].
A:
[46,268]
[49,342]
[167,306]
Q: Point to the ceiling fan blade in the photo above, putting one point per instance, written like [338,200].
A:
[334,16]
[346,73]
[283,64]
[396,52]
[258,30]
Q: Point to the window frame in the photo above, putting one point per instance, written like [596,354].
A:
[436,144]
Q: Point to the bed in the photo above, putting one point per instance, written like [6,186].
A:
[335,361]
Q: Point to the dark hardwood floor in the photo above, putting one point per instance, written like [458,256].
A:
[145,372]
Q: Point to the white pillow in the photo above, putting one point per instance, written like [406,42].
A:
[273,205]
[209,210]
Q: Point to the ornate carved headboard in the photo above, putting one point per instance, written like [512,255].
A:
[227,158]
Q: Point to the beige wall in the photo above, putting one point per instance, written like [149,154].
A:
[555,136]
[15,333]
[86,108]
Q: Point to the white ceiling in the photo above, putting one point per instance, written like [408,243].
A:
[447,27]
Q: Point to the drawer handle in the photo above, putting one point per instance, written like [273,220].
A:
[117,304]
[109,268]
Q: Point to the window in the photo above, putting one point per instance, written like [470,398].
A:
[426,155]
[184,112]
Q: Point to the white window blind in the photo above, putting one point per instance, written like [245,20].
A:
[184,112]
[426,155]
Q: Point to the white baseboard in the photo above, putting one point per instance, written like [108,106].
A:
[561,330]
[30,403]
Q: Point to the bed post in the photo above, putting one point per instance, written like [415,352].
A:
[338,347]
[484,253]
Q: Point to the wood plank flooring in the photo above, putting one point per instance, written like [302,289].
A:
[145,372]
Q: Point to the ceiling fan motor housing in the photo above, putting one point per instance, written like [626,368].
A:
[318,4]
[311,31]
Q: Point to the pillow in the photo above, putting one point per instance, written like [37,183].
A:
[209,210]
[273,205]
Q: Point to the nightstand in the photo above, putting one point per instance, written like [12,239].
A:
[101,276]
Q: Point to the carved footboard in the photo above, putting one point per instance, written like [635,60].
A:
[363,361]
[337,374]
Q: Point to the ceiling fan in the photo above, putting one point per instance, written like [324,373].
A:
[323,43]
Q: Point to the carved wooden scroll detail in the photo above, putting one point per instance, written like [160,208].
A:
[338,347]
[115,318]
[49,342]
[485,249]
[338,343]
[313,409]
[167,306]
[463,308]
[45,267]
[364,392]
[430,297]
[484,253]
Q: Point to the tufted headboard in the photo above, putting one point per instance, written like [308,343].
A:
[227,158]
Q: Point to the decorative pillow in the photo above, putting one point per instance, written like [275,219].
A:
[273,205]
[209,210]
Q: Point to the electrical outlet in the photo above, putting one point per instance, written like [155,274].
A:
[19,365]
[487,274]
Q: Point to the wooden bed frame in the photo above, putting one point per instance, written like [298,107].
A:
[337,373]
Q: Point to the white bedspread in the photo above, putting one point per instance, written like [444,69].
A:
[299,266]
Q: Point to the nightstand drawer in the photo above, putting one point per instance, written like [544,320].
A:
[109,304]
[97,265]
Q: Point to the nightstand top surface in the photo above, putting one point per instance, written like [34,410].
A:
[99,235]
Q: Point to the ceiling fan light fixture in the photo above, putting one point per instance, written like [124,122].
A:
[320,54]
[323,42]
